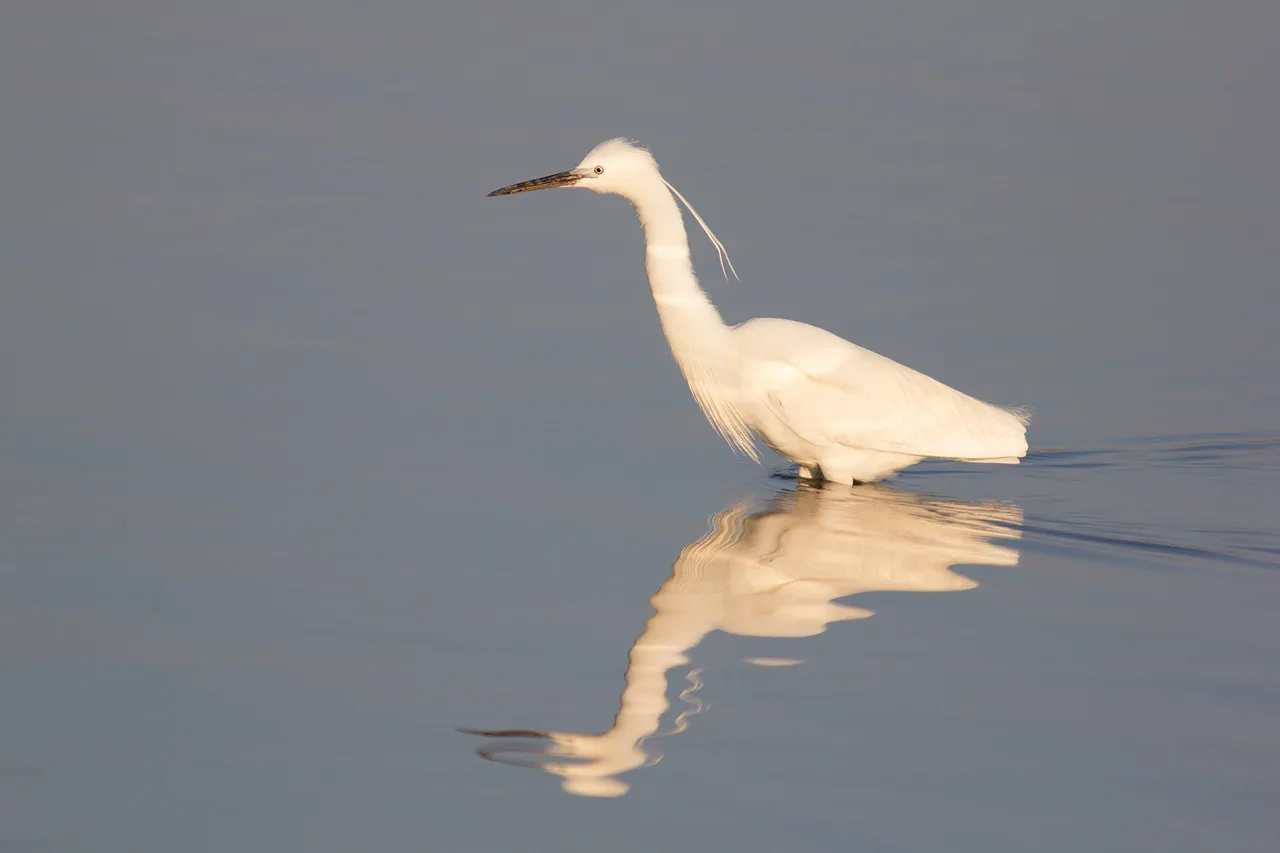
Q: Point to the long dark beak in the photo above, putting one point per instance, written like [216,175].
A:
[559,179]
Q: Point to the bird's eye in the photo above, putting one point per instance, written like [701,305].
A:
[599,170]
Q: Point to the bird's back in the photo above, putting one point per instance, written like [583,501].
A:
[832,392]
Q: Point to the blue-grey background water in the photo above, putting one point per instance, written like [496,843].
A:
[310,454]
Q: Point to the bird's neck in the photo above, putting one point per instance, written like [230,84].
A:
[699,339]
[694,328]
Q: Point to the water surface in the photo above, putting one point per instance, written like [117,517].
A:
[312,455]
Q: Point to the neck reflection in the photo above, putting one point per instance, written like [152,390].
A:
[774,573]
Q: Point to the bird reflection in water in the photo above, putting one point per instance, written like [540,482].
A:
[774,573]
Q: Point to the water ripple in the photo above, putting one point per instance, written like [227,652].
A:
[1222,450]
[1109,541]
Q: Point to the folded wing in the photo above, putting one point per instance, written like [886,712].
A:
[835,393]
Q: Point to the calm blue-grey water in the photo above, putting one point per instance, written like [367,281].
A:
[311,455]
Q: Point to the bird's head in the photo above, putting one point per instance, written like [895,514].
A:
[616,166]
[620,167]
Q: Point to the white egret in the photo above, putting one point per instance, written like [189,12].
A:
[843,413]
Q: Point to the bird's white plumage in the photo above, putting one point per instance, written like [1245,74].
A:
[831,391]
[842,412]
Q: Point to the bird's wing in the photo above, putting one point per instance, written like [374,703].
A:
[835,393]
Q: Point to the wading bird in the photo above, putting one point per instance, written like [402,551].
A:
[843,413]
